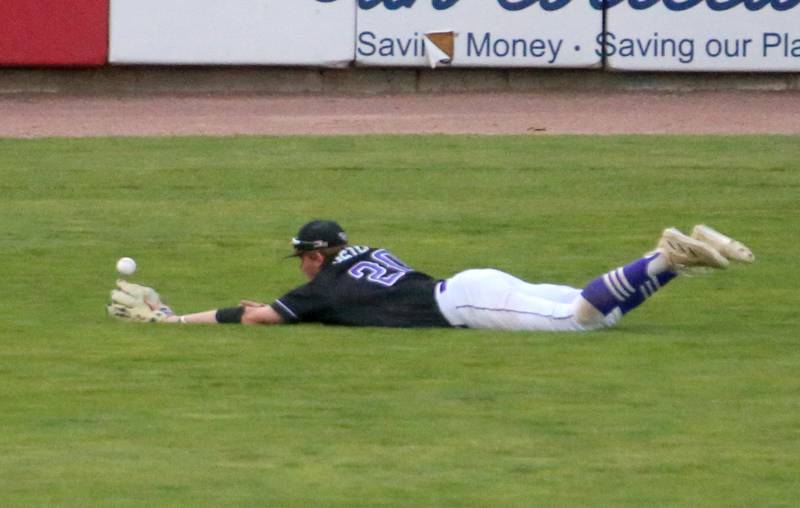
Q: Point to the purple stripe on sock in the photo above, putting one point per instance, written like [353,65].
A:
[665,277]
[634,301]
[636,272]
[601,298]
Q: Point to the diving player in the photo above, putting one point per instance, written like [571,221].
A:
[357,285]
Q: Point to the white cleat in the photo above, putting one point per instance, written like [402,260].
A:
[686,252]
[727,246]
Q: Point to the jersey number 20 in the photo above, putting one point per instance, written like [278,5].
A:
[384,269]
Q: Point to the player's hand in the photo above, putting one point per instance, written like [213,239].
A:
[130,294]
[133,302]
[139,313]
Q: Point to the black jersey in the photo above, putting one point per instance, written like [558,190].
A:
[363,286]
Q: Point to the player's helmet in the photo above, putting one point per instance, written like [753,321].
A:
[318,234]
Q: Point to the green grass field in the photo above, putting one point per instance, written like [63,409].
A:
[694,400]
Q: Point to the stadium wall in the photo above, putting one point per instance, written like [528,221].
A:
[255,80]
[390,45]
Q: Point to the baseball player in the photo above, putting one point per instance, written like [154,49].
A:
[358,285]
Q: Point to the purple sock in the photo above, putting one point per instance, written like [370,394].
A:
[626,287]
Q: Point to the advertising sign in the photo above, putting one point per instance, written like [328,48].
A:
[702,35]
[484,33]
[241,32]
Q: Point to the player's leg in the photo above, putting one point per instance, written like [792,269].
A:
[497,300]
[554,292]
[625,288]
[494,299]
[491,299]
[582,316]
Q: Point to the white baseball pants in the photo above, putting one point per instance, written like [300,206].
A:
[492,299]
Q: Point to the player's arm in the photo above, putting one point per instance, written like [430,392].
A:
[247,313]
[132,302]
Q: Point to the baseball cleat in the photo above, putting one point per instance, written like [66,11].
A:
[683,251]
[727,246]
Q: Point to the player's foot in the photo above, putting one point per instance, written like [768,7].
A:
[686,252]
[727,246]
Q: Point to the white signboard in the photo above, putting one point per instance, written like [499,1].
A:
[703,35]
[487,33]
[270,32]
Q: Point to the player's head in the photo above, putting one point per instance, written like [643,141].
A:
[317,235]
[317,243]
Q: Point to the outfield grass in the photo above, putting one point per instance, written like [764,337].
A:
[694,400]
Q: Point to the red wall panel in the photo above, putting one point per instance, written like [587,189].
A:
[53,32]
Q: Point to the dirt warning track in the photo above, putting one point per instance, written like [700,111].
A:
[724,112]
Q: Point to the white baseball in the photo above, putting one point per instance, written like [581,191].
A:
[126,266]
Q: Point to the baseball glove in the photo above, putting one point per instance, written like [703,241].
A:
[132,302]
